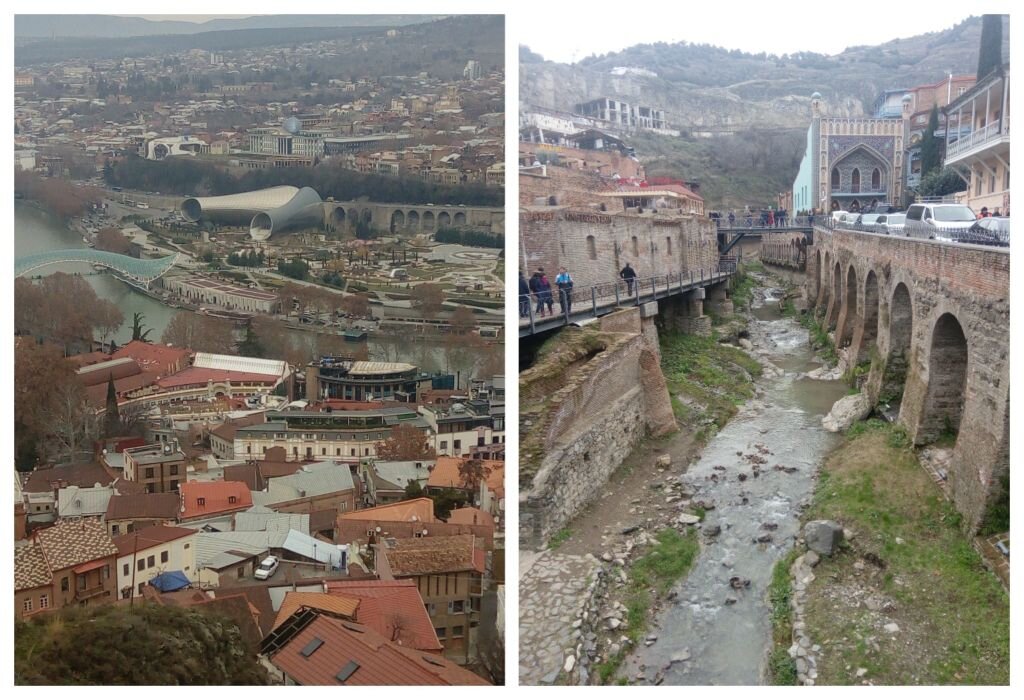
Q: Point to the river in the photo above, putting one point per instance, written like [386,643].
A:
[37,231]
[713,633]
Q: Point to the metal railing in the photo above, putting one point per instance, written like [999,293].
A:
[968,234]
[560,307]
[978,137]
[760,221]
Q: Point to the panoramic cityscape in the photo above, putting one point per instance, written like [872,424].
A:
[759,391]
[259,343]
[764,369]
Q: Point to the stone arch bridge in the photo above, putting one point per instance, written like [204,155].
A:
[933,321]
[413,218]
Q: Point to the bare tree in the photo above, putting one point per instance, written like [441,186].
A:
[74,423]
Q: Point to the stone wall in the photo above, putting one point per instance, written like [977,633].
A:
[957,364]
[595,245]
[591,423]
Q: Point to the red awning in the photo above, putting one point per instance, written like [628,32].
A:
[82,568]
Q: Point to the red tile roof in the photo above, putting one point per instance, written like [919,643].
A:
[217,497]
[200,376]
[470,516]
[383,603]
[377,661]
[445,474]
[155,357]
[82,475]
[157,506]
[433,555]
[413,510]
[149,537]
[73,542]
[91,375]
[338,606]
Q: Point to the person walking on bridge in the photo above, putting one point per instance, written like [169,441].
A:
[732,219]
[629,274]
[536,285]
[771,218]
[524,296]
[564,283]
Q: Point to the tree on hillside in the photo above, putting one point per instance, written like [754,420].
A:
[990,56]
[112,419]
[251,345]
[428,298]
[36,366]
[356,305]
[931,158]
[405,443]
[413,490]
[463,321]
[63,309]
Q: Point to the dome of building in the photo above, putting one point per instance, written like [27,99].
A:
[292,125]
[908,98]
[816,96]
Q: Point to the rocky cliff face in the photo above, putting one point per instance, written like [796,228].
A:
[709,88]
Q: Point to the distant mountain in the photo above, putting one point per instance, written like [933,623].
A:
[28,27]
[707,87]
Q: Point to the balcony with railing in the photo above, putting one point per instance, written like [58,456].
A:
[980,140]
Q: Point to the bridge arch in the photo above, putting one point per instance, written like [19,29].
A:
[338,218]
[869,318]
[817,275]
[413,220]
[397,220]
[901,333]
[837,295]
[948,358]
[444,220]
[428,221]
[848,315]
[460,219]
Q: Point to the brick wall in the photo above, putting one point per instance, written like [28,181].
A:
[595,245]
[970,283]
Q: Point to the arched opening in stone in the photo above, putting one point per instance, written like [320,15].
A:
[460,219]
[855,180]
[870,313]
[837,295]
[367,216]
[876,180]
[855,205]
[591,248]
[338,219]
[817,274]
[413,220]
[901,328]
[851,309]
[428,220]
[947,379]
[636,247]
[444,220]
[835,179]
[397,221]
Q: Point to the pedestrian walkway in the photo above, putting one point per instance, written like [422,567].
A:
[552,597]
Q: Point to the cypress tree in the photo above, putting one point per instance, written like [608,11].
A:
[930,156]
[113,417]
[990,56]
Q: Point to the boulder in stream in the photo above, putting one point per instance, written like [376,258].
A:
[845,412]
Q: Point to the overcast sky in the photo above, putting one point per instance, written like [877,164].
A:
[566,34]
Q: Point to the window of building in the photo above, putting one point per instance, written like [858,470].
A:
[201,501]
[115,530]
[636,247]
[668,245]
[960,91]
[855,180]
[444,445]
[295,451]
[232,499]
[835,178]
[366,452]
[140,588]
[323,451]
[106,572]
[458,445]
[458,631]
[65,584]
[164,556]
[441,632]
[124,570]
[187,545]
[876,179]
[992,182]
[481,441]
[80,582]
[248,449]
[151,560]
[44,601]
[140,565]
[977,185]
[1006,179]
[352,451]
[591,248]
[241,572]
[174,470]
[26,606]
[456,606]
[149,472]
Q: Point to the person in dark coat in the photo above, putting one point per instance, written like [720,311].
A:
[524,296]
[536,286]
[629,274]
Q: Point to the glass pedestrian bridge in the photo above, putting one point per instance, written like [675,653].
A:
[134,270]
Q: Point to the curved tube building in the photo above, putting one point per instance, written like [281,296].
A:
[269,211]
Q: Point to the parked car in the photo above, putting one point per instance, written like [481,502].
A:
[867,221]
[837,214]
[891,224]
[992,230]
[939,221]
[267,568]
